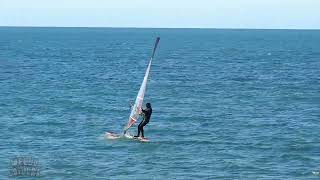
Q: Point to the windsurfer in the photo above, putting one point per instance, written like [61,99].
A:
[146,114]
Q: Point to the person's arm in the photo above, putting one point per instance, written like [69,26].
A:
[141,113]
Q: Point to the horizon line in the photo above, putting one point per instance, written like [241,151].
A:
[131,27]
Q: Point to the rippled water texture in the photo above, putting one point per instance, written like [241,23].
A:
[227,104]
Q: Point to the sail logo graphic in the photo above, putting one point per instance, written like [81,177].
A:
[25,166]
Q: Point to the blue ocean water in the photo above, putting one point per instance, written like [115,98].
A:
[227,104]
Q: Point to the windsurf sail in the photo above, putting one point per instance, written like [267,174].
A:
[136,108]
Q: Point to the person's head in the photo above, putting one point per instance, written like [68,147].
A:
[148,105]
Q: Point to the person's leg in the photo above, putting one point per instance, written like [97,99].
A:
[139,129]
[142,125]
[142,132]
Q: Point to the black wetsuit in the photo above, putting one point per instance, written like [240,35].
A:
[147,114]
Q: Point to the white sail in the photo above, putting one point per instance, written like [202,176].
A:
[136,109]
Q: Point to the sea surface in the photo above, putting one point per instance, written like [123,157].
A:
[227,104]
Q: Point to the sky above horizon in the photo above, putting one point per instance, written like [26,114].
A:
[266,14]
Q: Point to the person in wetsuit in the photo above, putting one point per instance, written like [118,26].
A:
[146,118]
